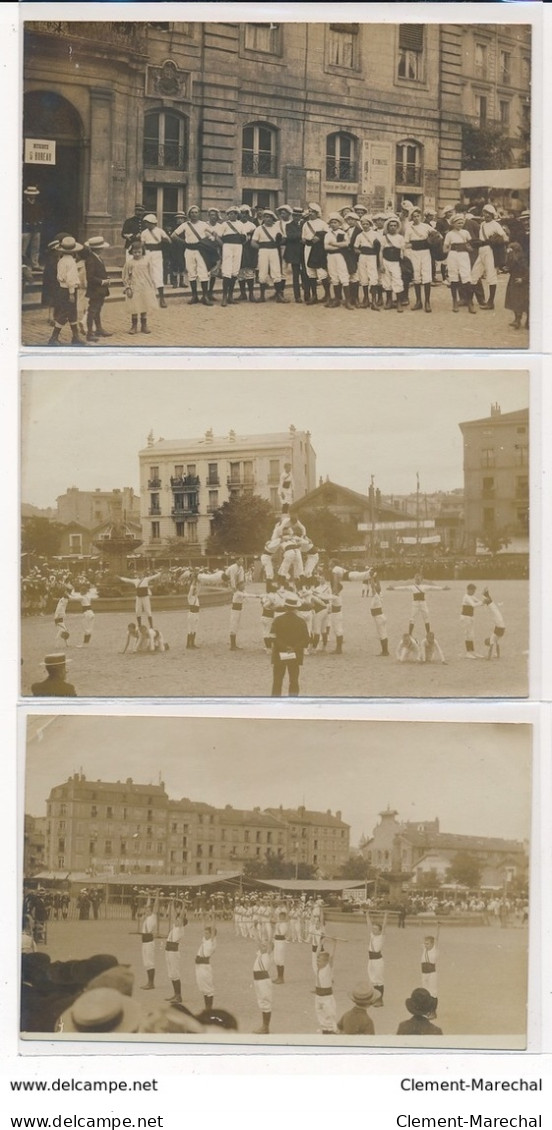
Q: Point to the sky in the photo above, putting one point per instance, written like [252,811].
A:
[475,777]
[85,428]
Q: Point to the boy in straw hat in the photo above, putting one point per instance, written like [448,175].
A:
[54,684]
[65,308]
[97,286]
[356,1021]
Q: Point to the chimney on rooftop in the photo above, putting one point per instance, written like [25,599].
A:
[496,409]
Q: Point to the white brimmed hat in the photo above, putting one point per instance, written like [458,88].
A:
[69,244]
[150,218]
[96,243]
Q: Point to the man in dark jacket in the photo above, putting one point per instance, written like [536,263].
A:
[421,1005]
[54,684]
[290,636]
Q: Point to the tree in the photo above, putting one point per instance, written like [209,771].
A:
[275,868]
[42,537]
[485,147]
[326,530]
[465,869]
[493,540]
[355,867]
[241,525]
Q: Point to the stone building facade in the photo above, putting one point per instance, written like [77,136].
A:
[496,477]
[177,113]
[114,828]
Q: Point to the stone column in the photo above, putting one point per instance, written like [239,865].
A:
[99,195]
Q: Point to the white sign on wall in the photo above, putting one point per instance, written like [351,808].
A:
[377,173]
[39,151]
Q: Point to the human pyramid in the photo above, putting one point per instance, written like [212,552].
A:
[274,924]
[298,583]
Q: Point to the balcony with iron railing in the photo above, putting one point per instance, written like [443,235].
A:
[154,484]
[154,511]
[258,164]
[164,155]
[240,484]
[408,174]
[185,482]
[191,512]
[115,33]
[212,481]
[341,169]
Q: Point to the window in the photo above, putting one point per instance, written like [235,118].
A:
[61,843]
[504,112]
[274,470]
[165,200]
[179,529]
[155,531]
[160,848]
[108,847]
[525,70]
[521,454]
[259,198]
[480,60]
[259,151]
[408,163]
[155,507]
[75,543]
[92,847]
[192,531]
[248,471]
[274,498]
[109,813]
[93,811]
[212,475]
[213,500]
[481,108]
[343,46]
[505,67]
[411,52]
[123,847]
[263,37]
[341,157]
[165,140]
[488,486]
[179,470]
[154,474]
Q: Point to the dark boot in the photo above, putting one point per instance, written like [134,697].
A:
[479,293]
[454,296]
[338,294]
[326,287]
[489,305]
[338,645]
[325,637]
[90,335]
[206,299]
[232,283]
[427,293]
[404,295]
[212,282]
[100,330]
[233,644]
[161,294]
[188,641]
[250,290]
[75,336]
[469,296]
[418,292]
[243,291]
[265,1030]
[54,336]
[400,302]
[262,296]
[315,642]
[194,299]
[177,993]
[225,283]
[279,292]
[376,298]
[353,294]
[388,300]
[384,647]
[349,303]
[366,298]
[144,324]
[280,978]
[193,644]
[208,1002]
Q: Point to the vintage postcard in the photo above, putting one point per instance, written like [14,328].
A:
[374,168]
[303,882]
[334,534]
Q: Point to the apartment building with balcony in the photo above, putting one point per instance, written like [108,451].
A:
[184,482]
[496,79]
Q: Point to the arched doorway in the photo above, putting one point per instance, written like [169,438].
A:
[49,116]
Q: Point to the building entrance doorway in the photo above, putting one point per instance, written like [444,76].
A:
[49,117]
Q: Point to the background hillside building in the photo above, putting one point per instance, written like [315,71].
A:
[175,113]
[183,482]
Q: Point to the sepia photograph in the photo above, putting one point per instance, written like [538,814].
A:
[365,167]
[182,537]
[360,883]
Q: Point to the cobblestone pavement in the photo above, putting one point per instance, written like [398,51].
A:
[298,327]
[482,975]
[100,670]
